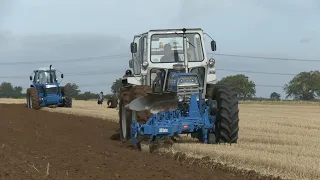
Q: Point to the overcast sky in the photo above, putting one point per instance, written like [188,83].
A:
[38,30]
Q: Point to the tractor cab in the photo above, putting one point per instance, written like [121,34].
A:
[46,78]
[154,53]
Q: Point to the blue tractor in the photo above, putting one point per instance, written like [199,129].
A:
[45,90]
[173,90]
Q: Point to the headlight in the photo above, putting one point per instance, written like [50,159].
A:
[180,98]
[145,64]
[50,86]
[211,62]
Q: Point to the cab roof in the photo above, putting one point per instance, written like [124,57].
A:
[168,30]
[44,69]
[180,29]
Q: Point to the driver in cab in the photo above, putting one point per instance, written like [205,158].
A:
[169,55]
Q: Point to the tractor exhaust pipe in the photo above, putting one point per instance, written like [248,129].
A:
[185,50]
[51,78]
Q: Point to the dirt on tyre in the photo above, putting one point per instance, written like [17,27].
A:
[125,116]
[66,93]
[33,100]
[227,121]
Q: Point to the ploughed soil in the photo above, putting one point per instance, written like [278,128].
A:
[45,145]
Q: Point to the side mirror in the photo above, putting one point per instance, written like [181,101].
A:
[30,78]
[130,63]
[133,47]
[213,45]
[62,76]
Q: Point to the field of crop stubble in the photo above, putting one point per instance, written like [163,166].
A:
[279,139]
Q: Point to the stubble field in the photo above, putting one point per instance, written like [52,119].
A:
[279,139]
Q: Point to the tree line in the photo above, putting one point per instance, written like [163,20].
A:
[7,90]
[303,86]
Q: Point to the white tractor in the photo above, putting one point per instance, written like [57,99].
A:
[156,55]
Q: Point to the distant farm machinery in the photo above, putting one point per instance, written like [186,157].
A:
[173,90]
[45,90]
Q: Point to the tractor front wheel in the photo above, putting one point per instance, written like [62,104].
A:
[33,100]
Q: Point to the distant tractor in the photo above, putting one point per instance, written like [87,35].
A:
[172,89]
[45,90]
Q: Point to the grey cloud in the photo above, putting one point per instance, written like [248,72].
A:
[5,9]
[62,47]
[54,46]
[305,40]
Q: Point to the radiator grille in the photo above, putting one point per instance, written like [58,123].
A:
[186,91]
[51,90]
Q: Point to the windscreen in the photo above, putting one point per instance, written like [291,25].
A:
[44,77]
[169,48]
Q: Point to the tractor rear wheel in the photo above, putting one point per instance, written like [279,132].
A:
[227,122]
[66,93]
[125,114]
[33,100]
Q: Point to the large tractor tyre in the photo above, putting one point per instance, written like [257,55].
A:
[67,102]
[138,91]
[33,100]
[66,93]
[125,114]
[227,122]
